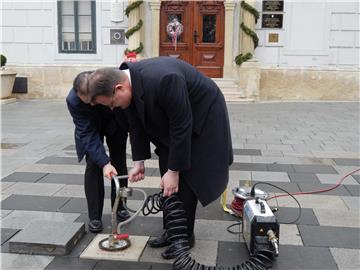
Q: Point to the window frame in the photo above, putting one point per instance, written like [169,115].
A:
[76,26]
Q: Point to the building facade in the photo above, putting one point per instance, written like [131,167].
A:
[306,49]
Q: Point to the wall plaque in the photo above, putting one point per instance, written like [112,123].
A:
[117,36]
[272,21]
[273,5]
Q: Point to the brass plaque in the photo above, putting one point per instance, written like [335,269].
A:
[273,5]
[273,38]
[272,21]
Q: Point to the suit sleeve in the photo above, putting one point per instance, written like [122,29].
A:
[88,135]
[174,99]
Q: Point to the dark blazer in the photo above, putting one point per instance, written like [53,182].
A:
[173,100]
[92,123]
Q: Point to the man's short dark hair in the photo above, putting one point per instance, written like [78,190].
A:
[80,82]
[102,82]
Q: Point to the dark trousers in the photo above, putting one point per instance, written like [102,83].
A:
[94,179]
[185,193]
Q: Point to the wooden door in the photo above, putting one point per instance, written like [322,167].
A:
[199,38]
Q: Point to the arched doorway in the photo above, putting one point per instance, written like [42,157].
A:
[200,34]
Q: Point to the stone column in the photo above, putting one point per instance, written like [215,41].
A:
[249,73]
[228,42]
[155,25]
[134,17]
[247,44]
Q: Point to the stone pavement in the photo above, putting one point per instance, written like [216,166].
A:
[299,146]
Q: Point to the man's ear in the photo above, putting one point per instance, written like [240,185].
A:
[119,86]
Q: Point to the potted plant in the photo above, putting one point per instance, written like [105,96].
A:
[7,79]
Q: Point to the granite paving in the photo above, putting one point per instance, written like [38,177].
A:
[299,147]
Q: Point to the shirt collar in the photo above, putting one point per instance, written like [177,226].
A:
[127,72]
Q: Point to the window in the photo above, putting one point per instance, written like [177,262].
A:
[76,26]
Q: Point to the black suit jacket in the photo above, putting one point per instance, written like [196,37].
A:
[92,123]
[172,100]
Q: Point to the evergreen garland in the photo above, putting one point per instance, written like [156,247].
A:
[137,27]
[131,31]
[251,33]
[137,50]
[243,58]
[250,9]
[132,6]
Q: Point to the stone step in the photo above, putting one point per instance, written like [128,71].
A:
[45,237]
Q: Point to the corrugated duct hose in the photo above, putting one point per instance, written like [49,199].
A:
[175,220]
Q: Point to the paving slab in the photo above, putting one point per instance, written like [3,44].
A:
[304,258]
[308,187]
[115,265]
[70,191]
[214,211]
[312,201]
[36,189]
[62,263]
[214,230]
[335,178]
[247,152]
[63,178]
[346,259]
[237,166]
[20,219]
[356,177]
[75,205]
[290,187]
[6,234]
[81,245]
[240,175]
[36,203]
[328,236]
[270,176]
[132,253]
[47,238]
[231,253]
[344,170]
[5,185]
[289,235]
[24,262]
[352,203]
[281,168]
[204,252]
[24,177]
[347,161]
[314,169]
[4,213]
[60,160]
[289,214]
[338,218]
[304,178]
[53,168]
[354,190]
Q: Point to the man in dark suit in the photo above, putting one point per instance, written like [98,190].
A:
[183,113]
[91,125]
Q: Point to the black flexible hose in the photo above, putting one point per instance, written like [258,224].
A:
[176,228]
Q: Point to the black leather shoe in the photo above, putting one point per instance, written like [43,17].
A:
[95,226]
[122,215]
[160,241]
[177,248]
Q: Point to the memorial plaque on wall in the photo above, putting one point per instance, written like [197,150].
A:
[273,6]
[272,21]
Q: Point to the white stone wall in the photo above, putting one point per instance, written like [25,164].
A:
[30,37]
[320,34]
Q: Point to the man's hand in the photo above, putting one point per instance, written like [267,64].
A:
[109,171]
[137,173]
[170,183]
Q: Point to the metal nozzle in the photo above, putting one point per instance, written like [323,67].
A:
[274,241]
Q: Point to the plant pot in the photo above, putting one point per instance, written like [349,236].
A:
[7,83]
